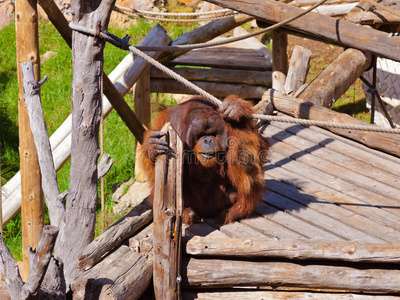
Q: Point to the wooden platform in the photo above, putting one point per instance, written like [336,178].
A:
[322,187]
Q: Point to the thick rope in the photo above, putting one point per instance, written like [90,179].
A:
[136,14]
[228,40]
[165,14]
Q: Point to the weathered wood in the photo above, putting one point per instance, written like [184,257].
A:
[32,213]
[254,43]
[3,291]
[217,89]
[300,108]
[124,274]
[41,139]
[168,207]
[366,13]
[206,33]
[297,249]
[325,28]
[283,295]
[115,235]
[216,273]
[262,78]
[336,79]
[279,59]
[10,271]
[87,64]
[143,110]
[333,10]
[40,259]
[298,69]
[312,2]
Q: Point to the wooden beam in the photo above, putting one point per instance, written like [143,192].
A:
[279,60]
[296,249]
[336,79]
[217,273]
[301,108]
[27,36]
[339,32]
[298,69]
[167,208]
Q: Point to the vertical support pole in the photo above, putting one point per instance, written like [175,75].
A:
[143,112]
[167,216]
[32,207]
[279,60]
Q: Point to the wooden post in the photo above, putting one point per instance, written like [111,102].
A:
[336,79]
[32,208]
[298,69]
[167,211]
[279,60]
[143,111]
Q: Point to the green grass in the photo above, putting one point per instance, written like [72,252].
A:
[56,102]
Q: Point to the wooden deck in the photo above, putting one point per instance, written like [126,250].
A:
[323,186]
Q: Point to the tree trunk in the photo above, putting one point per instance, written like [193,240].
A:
[77,228]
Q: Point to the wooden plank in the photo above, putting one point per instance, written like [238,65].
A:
[283,295]
[217,273]
[345,147]
[300,108]
[237,229]
[326,196]
[365,198]
[316,218]
[294,249]
[287,220]
[271,229]
[277,131]
[32,206]
[262,78]
[322,27]
[217,89]
[167,211]
[347,175]
[363,227]
[229,60]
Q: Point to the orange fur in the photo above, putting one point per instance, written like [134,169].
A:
[227,189]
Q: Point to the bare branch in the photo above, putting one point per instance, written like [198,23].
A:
[10,271]
[42,143]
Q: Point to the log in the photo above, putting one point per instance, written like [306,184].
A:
[124,274]
[168,207]
[336,79]
[339,32]
[10,271]
[254,43]
[365,13]
[263,78]
[297,249]
[32,213]
[298,69]
[217,273]
[115,235]
[303,109]
[217,89]
[279,60]
[333,10]
[39,262]
[283,295]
